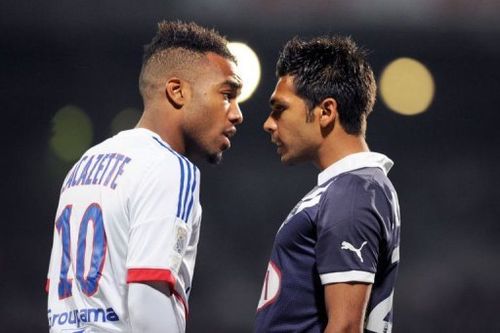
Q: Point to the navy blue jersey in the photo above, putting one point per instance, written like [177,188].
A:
[346,229]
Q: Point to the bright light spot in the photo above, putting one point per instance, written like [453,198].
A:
[248,68]
[407,86]
[71,133]
[125,119]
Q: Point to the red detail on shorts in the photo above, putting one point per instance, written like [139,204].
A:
[47,286]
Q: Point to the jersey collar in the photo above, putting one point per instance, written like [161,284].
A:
[356,161]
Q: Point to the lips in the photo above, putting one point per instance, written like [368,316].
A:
[276,141]
[228,134]
[279,145]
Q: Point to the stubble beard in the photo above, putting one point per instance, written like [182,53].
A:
[291,158]
[214,159]
[197,148]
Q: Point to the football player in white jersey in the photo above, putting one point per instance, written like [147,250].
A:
[128,219]
[335,258]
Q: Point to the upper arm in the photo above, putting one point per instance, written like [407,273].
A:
[161,213]
[346,305]
[350,238]
[349,233]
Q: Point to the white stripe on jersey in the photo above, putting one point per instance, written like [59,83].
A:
[349,276]
[311,199]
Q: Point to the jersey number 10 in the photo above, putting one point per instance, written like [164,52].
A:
[89,283]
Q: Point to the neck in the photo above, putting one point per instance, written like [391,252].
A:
[338,147]
[166,125]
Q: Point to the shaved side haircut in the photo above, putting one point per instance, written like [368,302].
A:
[175,48]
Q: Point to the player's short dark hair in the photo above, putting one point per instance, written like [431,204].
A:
[176,46]
[187,36]
[331,67]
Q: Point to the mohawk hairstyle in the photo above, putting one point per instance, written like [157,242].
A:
[175,48]
[331,67]
[188,36]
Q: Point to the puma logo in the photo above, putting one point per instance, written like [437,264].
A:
[350,247]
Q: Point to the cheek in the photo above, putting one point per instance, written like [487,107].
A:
[297,137]
[212,125]
[289,129]
[219,115]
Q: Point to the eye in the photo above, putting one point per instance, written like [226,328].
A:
[228,96]
[276,111]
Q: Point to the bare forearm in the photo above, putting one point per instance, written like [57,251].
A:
[346,304]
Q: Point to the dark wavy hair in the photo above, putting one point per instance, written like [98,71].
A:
[331,67]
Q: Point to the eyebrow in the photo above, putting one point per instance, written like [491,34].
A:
[233,84]
[277,102]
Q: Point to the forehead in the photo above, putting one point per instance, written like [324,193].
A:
[222,68]
[284,91]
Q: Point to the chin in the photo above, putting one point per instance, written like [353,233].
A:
[287,162]
[290,160]
[214,158]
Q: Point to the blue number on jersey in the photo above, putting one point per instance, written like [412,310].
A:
[88,284]
[62,225]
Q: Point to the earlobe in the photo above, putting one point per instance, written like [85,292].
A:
[175,92]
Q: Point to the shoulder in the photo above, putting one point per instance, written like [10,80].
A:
[356,184]
[152,165]
[151,152]
[171,172]
[354,194]
[166,180]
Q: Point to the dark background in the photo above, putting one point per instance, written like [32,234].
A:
[88,53]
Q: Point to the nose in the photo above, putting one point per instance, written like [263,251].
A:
[270,125]
[235,115]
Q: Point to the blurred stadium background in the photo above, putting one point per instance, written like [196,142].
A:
[69,80]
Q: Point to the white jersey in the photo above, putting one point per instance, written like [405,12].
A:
[129,211]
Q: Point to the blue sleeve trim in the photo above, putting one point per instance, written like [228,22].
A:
[188,212]
[183,209]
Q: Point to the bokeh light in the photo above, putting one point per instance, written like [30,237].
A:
[248,68]
[72,133]
[407,86]
[125,119]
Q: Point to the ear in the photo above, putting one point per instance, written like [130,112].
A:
[329,114]
[176,92]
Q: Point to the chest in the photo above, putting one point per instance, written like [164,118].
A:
[297,234]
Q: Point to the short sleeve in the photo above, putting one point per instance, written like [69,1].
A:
[349,232]
[161,220]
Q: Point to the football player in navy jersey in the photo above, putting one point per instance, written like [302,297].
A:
[335,258]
